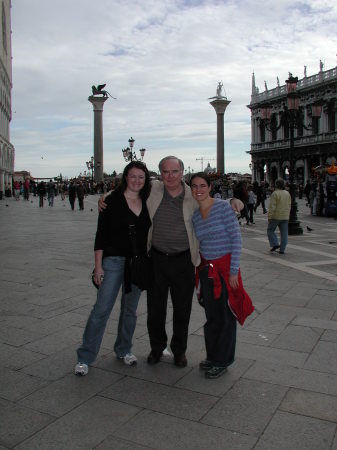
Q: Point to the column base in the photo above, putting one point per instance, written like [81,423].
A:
[294,228]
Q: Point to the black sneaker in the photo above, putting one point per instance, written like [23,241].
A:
[274,248]
[215,372]
[153,358]
[205,365]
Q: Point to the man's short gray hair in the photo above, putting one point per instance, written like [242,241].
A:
[279,183]
[161,162]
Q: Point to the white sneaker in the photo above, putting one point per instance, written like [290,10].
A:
[81,369]
[129,359]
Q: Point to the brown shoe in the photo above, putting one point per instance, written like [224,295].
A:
[180,360]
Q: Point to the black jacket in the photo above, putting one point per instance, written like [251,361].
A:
[112,235]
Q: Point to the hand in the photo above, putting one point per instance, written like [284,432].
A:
[98,276]
[101,203]
[236,204]
[233,281]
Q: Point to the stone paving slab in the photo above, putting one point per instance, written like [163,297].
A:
[295,432]
[280,393]
[157,397]
[163,432]
[18,423]
[82,428]
[249,406]
[312,404]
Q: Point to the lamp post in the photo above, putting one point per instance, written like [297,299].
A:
[90,165]
[291,116]
[128,153]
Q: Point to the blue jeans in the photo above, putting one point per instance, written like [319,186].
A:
[113,267]
[283,227]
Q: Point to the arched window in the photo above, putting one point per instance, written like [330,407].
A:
[4,29]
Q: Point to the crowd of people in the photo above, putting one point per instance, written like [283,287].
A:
[47,190]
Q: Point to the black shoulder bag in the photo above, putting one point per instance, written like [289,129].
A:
[140,265]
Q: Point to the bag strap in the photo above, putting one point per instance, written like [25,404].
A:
[132,234]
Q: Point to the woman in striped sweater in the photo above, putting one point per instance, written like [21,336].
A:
[218,231]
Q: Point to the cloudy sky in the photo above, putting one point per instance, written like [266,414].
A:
[162,59]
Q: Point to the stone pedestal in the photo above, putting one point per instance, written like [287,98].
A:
[220,105]
[98,103]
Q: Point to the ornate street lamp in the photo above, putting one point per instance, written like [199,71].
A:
[130,155]
[90,165]
[292,116]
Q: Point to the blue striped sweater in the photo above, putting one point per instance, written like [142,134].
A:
[219,234]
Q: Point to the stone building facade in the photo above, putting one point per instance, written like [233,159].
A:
[315,139]
[7,153]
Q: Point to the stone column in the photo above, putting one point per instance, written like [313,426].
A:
[220,105]
[98,103]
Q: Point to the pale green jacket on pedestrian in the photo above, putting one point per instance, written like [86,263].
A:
[189,206]
[279,205]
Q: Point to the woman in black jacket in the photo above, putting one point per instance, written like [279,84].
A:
[126,206]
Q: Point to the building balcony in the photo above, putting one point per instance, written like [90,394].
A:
[303,141]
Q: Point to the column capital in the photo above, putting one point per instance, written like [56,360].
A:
[220,105]
[97,102]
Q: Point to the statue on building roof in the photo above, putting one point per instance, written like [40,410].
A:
[278,81]
[305,71]
[321,65]
[265,85]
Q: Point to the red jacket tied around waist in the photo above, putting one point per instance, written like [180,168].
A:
[238,300]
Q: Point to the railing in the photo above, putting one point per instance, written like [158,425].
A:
[306,82]
[322,138]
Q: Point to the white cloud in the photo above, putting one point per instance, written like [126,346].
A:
[162,60]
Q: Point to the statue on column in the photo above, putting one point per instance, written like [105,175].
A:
[99,91]
[219,90]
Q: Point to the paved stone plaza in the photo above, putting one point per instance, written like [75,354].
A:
[280,394]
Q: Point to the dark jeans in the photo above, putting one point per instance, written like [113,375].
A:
[81,202]
[220,327]
[174,274]
[250,207]
[72,202]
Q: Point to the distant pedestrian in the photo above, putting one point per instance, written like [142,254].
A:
[80,191]
[51,188]
[26,186]
[17,190]
[307,190]
[278,216]
[72,194]
[41,192]
[251,203]
[63,191]
[240,191]
[261,195]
